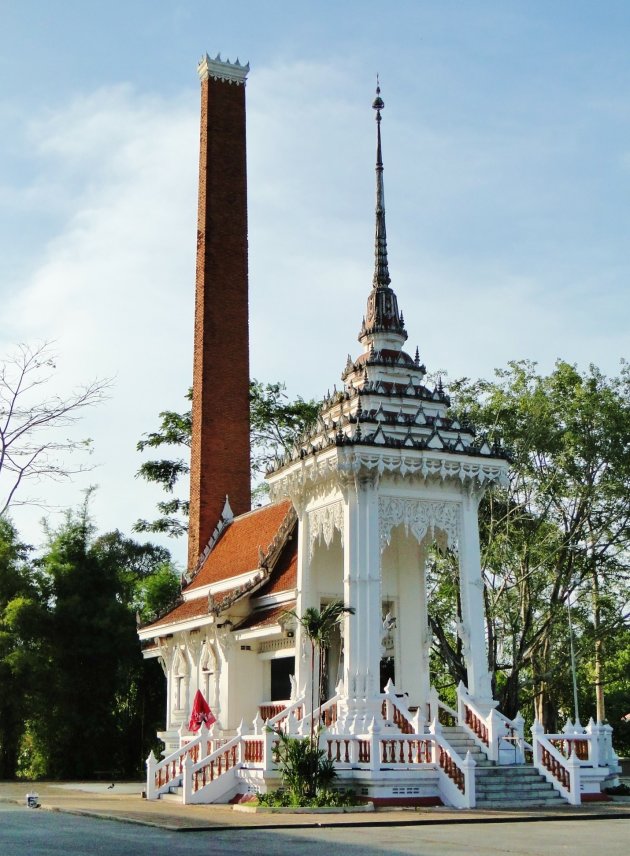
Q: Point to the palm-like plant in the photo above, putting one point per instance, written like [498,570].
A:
[318,626]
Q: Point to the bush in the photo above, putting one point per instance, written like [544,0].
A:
[324,798]
[305,769]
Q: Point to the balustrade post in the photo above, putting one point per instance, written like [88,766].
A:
[268,739]
[187,783]
[204,743]
[494,724]
[435,729]
[291,724]
[417,722]
[374,732]
[537,730]
[468,766]
[594,745]
[258,723]
[519,727]
[151,765]
[573,768]
[434,704]
[462,696]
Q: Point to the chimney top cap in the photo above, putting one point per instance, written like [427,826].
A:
[219,69]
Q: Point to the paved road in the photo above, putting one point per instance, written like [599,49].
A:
[25,832]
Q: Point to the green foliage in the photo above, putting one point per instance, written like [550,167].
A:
[306,770]
[559,531]
[324,798]
[75,695]
[275,424]
[18,596]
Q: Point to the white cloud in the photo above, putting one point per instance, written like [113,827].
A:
[114,284]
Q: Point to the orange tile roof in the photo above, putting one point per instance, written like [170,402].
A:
[284,574]
[236,551]
[182,612]
[265,617]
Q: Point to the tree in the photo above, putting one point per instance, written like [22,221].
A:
[276,423]
[86,700]
[31,447]
[175,431]
[559,531]
[18,594]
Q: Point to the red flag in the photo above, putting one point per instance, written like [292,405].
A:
[200,713]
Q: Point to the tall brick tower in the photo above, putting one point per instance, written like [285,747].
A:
[220,455]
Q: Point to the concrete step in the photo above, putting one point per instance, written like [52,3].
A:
[518,793]
[524,804]
[171,797]
[514,787]
[521,787]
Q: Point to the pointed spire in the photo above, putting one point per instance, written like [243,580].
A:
[382,316]
[381,271]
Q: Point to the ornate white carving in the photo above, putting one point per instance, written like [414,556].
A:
[337,466]
[418,516]
[220,69]
[322,523]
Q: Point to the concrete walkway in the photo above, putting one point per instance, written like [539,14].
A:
[124,803]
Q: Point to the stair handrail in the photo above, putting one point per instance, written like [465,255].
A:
[560,771]
[435,705]
[275,721]
[228,756]
[305,722]
[492,730]
[457,774]
[162,774]
[395,709]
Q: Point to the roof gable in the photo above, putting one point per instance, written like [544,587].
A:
[238,549]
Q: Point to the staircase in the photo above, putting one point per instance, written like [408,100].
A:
[518,786]
[463,743]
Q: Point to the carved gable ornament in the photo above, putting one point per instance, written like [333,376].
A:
[418,516]
[322,523]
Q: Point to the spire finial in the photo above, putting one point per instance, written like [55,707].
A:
[382,314]
[381,277]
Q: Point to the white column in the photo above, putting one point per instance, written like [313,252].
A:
[471,594]
[425,635]
[362,591]
[305,599]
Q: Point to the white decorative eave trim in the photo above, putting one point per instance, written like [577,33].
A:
[175,627]
[150,653]
[221,585]
[218,69]
[341,463]
[269,600]
[258,632]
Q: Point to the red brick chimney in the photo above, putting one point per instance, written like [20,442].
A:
[220,456]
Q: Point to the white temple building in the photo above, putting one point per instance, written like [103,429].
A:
[386,474]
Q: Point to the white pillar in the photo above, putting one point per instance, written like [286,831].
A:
[471,595]
[305,599]
[425,633]
[362,592]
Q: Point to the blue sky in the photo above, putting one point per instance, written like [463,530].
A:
[507,176]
